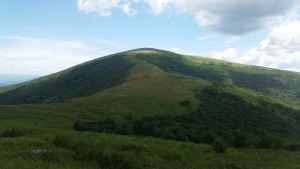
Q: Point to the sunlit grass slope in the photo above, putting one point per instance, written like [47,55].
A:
[283,85]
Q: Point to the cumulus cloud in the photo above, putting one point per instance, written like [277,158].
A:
[206,18]
[229,54]
[103,7]
[41,56]
[234,17]
[128,10]
[158,6]
[280,49]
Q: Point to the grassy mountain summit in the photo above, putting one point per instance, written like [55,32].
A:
[106,72]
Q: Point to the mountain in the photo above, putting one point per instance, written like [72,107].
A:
[152,92]
[96,75]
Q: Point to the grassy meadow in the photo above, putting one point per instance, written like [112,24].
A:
[79,150]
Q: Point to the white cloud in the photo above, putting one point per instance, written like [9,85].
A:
[176,50]
[206,18]
[234,17]
[103,7]
[128,10]
[280,49]
[32,55]
[158,6]
[228,54]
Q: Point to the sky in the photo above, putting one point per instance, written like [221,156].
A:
[39,37]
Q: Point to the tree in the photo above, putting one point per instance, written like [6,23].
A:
[209,137]
[219,146]
[239,141]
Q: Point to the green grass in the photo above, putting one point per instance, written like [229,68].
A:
[89,150]
[148,91]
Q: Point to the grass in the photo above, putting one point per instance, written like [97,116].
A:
[91,150]
[148,91]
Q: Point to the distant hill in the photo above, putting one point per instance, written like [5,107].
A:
[6,80]
[158,93]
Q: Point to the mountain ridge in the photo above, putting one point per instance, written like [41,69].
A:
[281,85]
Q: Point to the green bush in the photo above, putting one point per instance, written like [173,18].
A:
[185,103]
[14,132]
[294,147]
[239,141]
[209,137]
[219,146]
[269,143]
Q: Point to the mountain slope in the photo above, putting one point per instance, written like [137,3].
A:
[157,93]
[279,84]
[78,81]
[146,91]
[93,76]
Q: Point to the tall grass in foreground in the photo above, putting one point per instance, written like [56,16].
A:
[84,150]
[123,152]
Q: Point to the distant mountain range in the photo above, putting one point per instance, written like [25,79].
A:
[6,80]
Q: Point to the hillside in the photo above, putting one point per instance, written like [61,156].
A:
[279,84]
[170,91]
[77,81]
[186,102]
[96,75]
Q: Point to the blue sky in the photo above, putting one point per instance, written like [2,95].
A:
[43,37]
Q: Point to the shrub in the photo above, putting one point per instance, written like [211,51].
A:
[269,142]
[185,103]
[209,137]
[294,147]
[239,141]
[14,132]
[219,146]
[113,161]
[77,126]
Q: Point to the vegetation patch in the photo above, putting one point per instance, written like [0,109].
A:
[240,119]
[15,132]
